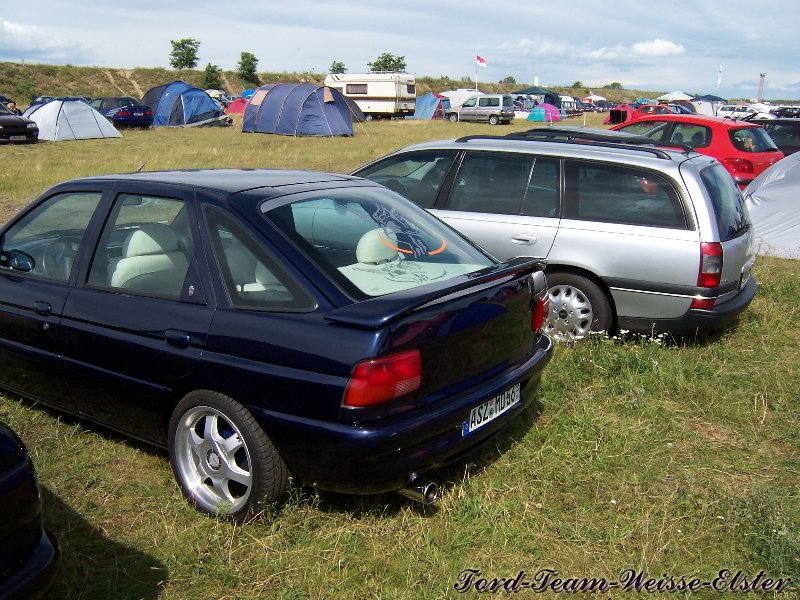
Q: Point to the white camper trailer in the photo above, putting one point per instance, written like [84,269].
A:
[378,95]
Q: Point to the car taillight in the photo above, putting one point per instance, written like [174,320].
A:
[148,113]
[539,312]
[124,113]
[383,379]
[710,273]
[740,166]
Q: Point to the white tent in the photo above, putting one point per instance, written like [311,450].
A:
[461,95]
[771,199]
[70,120]
[673,96]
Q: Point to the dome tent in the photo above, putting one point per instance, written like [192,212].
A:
[299,110]
[60,120]
[431,106]
[179,104]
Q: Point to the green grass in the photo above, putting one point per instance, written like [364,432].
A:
[670,458]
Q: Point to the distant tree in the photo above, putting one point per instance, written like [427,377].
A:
[578,84]
[509,79]
[388,62]
[212,78]
[337,68]
[184,53]
[247,66]
[613,86]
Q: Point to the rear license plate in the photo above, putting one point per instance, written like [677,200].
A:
[490,410]
[17,138]
[138,114]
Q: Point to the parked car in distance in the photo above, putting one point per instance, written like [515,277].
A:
[29,553]
[15,128]
[491,108]
[281,322]
[785,133]
[743,147]
[742,111]
[124,111]
[635,237]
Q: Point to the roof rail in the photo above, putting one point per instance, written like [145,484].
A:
[587,136]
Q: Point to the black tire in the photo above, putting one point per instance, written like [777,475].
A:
[577,305]
[493,119]
[223,461]
[453,117]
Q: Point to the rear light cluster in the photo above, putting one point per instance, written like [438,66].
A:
[710,274]
[539,312]
[383,379]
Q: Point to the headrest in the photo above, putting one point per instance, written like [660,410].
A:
[264,276]
[375,247]
[152,238]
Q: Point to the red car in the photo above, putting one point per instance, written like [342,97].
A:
[743,147]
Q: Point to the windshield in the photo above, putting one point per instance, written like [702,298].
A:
[373,242]
[728,202]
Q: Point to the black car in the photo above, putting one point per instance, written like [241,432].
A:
[259,323]
[28,552]
[784,132]
[14,128]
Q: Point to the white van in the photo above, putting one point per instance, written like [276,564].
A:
[378,95]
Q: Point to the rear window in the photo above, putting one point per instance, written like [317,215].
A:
[373,242]
[728,203]
[752,139]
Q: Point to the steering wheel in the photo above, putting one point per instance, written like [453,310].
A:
[59,256]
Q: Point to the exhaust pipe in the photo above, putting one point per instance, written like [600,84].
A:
[419,490]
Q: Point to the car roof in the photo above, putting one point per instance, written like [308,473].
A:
[229,181]
[693,118]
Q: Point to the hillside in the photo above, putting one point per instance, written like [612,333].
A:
[22,82]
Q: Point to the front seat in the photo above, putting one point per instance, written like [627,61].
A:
[151,262]
[377,247]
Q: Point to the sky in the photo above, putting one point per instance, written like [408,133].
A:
[643,44]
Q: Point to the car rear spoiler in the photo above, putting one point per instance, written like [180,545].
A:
[381,311]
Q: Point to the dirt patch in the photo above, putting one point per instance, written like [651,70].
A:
[714,433]
[128,75]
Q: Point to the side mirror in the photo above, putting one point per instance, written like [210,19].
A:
[17,260]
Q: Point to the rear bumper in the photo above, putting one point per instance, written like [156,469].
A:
[696,321]
[33,578]
[383,455]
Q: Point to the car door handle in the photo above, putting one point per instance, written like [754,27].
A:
[526,239]
[42,308]
[177,338]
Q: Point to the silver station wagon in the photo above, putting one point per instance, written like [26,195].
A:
[636,237]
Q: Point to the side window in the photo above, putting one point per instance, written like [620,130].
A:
[652,129]
[696,136]
[417,176]
[49,236]
[253,279]
[616,194]
[145,247]
[541,199]
[491,183]
[470,103]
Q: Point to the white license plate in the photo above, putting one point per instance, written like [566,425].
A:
[490,410]
[17,138]
[138,114]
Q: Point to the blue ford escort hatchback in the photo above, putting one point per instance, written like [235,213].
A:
[263,325]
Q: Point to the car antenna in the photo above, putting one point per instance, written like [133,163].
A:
[139,170]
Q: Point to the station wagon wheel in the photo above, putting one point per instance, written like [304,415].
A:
[453,117]
[577,306]
[224,462]
[493,120]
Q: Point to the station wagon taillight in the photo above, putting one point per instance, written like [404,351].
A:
[710,273]
[383,379]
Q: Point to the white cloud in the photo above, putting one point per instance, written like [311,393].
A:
[657,48]
[19,41]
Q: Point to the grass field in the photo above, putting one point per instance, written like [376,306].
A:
[669,459]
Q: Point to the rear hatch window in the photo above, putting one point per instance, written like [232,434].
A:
[728,203]
[752,139]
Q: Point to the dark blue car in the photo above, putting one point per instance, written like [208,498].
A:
[28,553]
[261,324]
[124,111]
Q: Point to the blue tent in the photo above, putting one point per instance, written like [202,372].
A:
[179,104]
[431,106]
[298,109]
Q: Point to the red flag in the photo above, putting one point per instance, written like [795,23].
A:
[480,61]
